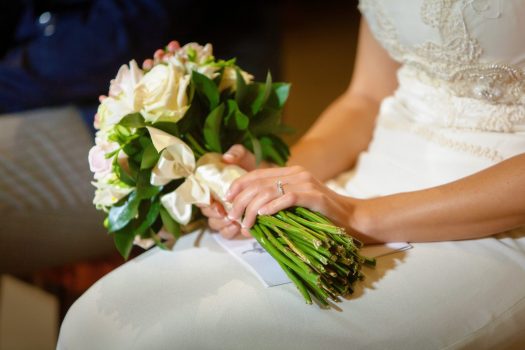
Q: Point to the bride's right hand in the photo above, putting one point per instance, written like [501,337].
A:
[217,216]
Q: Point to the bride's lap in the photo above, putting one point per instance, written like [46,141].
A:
[451,294]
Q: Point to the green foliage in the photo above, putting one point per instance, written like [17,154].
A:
[145,189]
[212,129]
[206,88]
[235,119]
[124,241]
[120,215]
[150,156]
[263,92]
[170,225]
[133,120]
[148,214]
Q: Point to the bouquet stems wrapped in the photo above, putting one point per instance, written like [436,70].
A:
[157,154]
[319,257]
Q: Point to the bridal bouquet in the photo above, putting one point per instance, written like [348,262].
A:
[161,132]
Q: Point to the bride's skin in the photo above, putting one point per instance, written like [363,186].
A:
[488,202]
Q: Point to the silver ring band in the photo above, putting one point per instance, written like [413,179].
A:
[280,188]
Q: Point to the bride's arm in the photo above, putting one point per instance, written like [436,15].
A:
[344,129]
[485,203]
[482,204]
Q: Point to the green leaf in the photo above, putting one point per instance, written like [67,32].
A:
[131,149]
[150,156]
[193,118]
[144,188]
[235,119]
[120,216]
[212,129]
[133,120]
[169,127]
[206,88]
[157,241]
[240,88]
[134,168]
[270,152]
[262,95]
[256,148]
[267,122]
[122,174]
[282,90]
[170,225]
[280,146]
[124,241]
[148,218]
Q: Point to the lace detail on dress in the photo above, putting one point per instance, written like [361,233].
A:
[453,62]
[432,98]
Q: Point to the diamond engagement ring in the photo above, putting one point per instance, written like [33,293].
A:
[280,188]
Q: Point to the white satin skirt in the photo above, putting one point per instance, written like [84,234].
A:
[445,295]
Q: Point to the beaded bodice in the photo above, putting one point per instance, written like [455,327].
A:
[466,58]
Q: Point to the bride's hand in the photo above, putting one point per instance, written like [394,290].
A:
[217,216]
[257,193]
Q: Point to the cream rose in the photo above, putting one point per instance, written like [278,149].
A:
[229,79]
[111,111]
[121,100]
[162,93]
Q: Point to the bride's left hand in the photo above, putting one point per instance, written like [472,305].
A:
[257,193]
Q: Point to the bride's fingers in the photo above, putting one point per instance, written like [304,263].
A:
[250,213]
[215,210]
[230,231]
[263,191]
[313,200]
[218,224]
[240,156]
[247,180]
[243,199]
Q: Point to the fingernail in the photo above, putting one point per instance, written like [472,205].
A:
[261,212]
[228,156]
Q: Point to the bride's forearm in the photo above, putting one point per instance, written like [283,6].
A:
[333,143]
[482,204]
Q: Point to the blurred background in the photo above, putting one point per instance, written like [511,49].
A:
[56,58]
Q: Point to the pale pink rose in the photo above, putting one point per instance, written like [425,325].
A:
[98,163]
[96,121]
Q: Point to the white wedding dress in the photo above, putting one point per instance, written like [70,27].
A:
[459,108]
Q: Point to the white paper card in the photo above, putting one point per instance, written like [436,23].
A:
[250,253]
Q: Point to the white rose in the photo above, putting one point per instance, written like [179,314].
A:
[229,79]
[121,100]
[111,111]
[109,191]
[162,93]
[123,86]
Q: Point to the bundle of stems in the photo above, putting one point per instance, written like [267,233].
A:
[319,257]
